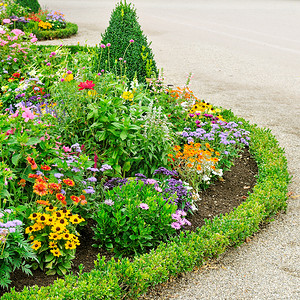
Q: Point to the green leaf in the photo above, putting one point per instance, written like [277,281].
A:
[127,166]
[49,257]
[33,141]
[15,159]
[123,135]
[51,272]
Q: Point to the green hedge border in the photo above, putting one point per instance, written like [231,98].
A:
[70,30]
[123,279]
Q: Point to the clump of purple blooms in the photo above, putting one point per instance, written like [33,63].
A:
[171,187]
[7,226]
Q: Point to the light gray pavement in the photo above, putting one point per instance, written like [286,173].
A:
[245,55]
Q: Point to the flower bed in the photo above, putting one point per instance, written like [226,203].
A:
[30,18]
[80,145]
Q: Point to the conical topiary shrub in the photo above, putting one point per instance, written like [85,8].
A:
[124,46]
[33,5]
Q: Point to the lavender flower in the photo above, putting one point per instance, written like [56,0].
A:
[105,167]
[92,179]
[58,175]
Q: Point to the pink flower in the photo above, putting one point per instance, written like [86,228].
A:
[42,138]
[144,206]
[102,46]
[14,115]
[17,32]
[131,41]
[108,44]
[2,31]
[15,60]
[6,21]
[67,149]
[48,64]
[27,114]
[33,40]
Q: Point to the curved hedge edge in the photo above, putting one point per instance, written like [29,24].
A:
[70,30]
[123,279]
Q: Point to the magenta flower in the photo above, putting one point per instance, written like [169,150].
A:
[102,46]
[67,149]
[144,206]
[108,45]
[151,181]
[175,225]
[48,64]
[131,41]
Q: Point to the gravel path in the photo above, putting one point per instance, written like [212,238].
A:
[245,55]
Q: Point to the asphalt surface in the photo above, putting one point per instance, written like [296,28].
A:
[245,56]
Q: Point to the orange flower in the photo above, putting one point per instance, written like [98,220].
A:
[69,182]
[45,168]
[82,197]
[22,182]
[75,199]
[32,163]
[40,188]
[177,148]
[61,198]
[42,202]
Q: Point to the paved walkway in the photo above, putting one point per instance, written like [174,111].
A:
[245,55]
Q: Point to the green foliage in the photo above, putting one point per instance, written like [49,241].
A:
[123,27]
[31,5]
[134,218]
[70,30]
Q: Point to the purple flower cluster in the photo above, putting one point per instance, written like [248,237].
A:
[8,226]
[113,182]
[225,133]
[105,167]
[165,171]
[56,16]
[176,187]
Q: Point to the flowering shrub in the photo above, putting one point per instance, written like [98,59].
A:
[134,218]
[14,249]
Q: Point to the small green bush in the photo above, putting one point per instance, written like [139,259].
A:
[31,5]
[124,27]
[70,29]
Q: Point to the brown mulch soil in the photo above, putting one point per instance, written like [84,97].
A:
[220,198]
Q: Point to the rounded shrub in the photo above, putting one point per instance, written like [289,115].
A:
[124,47]
[32,5]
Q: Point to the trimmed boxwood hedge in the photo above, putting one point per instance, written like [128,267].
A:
[70,30]
[30,5]
[123,279]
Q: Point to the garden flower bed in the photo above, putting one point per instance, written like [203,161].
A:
[30,18]
[157,180]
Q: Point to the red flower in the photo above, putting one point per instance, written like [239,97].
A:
[88,85]
[45,168]
[75,199]
[61,198]
[16,75]
[33,175]
[69,182]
